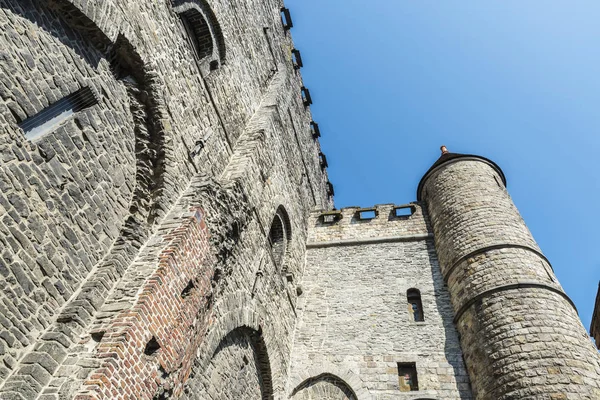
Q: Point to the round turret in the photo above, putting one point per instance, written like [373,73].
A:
[520,333]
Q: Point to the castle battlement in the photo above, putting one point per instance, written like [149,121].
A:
[391,222]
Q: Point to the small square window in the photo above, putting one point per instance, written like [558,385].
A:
[407,377]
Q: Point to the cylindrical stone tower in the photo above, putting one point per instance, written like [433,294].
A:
[520,333]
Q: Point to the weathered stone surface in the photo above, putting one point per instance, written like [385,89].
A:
[139,257]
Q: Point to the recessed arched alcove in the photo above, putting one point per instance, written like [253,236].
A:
[324,387]
[280,234]
[203,32]
[239,368]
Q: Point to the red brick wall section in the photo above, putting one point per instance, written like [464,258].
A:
[178,323]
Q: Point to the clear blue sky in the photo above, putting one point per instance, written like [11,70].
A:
[515,81]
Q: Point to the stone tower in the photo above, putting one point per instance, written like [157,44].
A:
[520,333]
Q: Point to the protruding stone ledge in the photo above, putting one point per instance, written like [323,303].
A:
[512,286]
[354,242]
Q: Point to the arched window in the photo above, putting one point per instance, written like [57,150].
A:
[279,235]
[415,307]
[203,31]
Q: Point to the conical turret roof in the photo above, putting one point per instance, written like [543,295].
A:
[450,157]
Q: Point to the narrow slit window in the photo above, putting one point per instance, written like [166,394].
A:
[51,117]
[279,236]
[407,377]
[415,306]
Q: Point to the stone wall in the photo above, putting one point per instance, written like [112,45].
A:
[355,325]
[112,286]
[520,333]
[595,328]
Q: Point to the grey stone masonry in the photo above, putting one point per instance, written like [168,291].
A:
[595,328]
[355,324]
[520,333]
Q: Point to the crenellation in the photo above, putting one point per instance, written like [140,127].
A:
[385,225]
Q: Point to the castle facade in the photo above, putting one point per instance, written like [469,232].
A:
[167,230]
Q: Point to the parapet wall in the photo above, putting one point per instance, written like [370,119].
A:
[347,225]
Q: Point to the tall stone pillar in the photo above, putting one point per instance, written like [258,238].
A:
[520,333]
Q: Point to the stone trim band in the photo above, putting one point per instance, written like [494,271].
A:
[451,270]
[512,286]
[386,239]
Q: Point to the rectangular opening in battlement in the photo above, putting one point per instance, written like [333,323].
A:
[323,161]
[407,377]
[315,131]
[331,217]
[297,59]
[286,19]
[52,116]
[366,213]
[306,99]
[403,211]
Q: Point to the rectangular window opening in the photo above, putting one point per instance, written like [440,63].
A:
[286,19]
[331,218]
[407,377]
[297,59]
[404,211]
[323,161]
[306,99]
[367,214]
[315,131]
[52,116]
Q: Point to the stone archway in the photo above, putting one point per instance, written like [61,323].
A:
[324,387]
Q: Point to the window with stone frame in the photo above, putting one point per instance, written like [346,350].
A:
[203,31]
[415,306]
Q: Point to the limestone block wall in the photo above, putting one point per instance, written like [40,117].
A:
[96,299]
[354,323]
[520,333]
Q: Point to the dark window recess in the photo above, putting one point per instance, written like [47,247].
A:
[407,377]
[331,217]
[323,161]
[403,211]
[297,59]
[306,99]
[199,32]
[187,290]
[415,307]
[279,235]
[286,19]
[315,131]
[151,347]
[97,336]
[50,117]
[330,191]
[366,214]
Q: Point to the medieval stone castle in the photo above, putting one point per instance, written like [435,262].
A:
[167,230]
